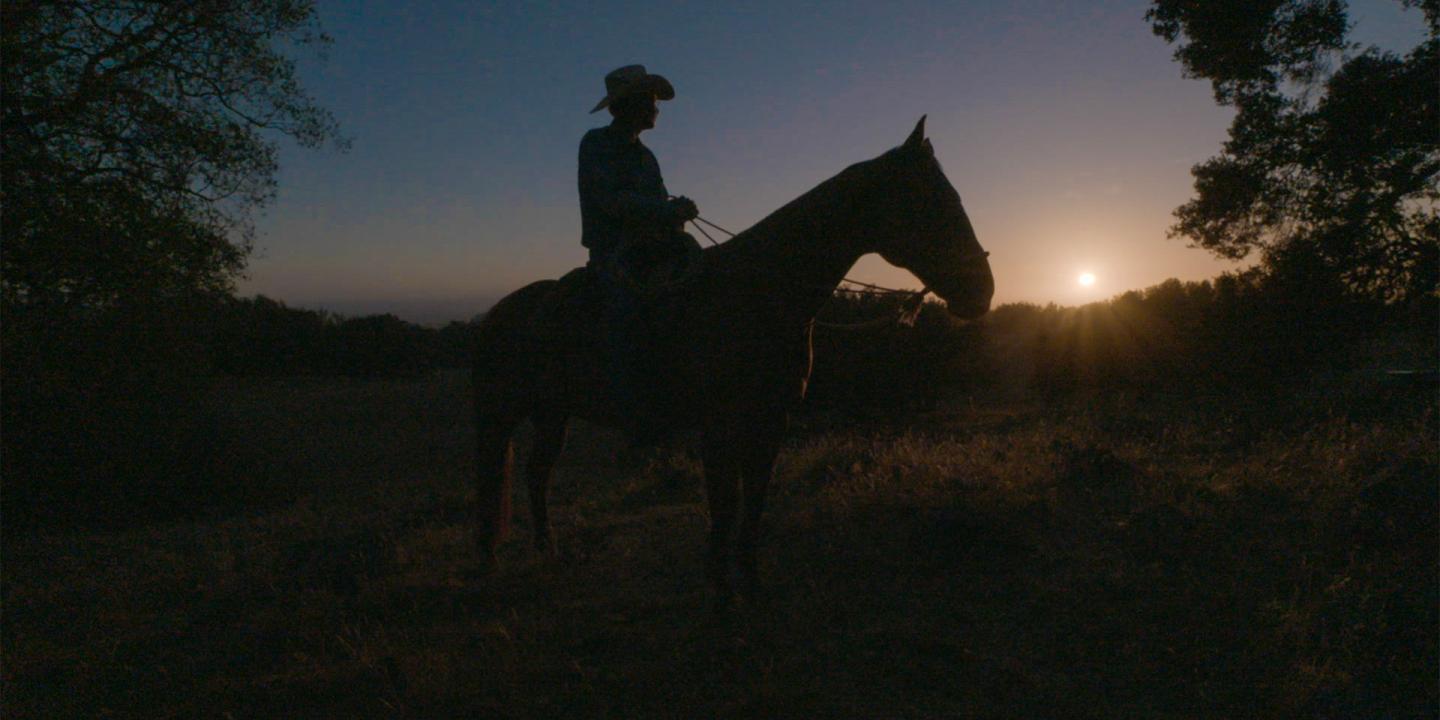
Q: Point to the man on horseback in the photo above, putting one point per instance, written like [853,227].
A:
[630,224]
[735,358]
[624,206]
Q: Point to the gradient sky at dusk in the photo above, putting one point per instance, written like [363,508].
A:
[1066,127]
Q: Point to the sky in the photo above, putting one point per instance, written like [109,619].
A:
[1066,127]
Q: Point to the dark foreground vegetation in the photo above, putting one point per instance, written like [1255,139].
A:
[1168,505]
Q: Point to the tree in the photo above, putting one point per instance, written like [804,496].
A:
[138,137]
[1330,171]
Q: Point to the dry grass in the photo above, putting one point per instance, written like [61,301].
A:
[989,561]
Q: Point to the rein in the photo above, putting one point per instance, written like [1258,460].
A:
[867,288]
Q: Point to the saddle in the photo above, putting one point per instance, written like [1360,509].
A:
[655,270]
[654,279]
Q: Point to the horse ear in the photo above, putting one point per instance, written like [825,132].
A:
[917,135]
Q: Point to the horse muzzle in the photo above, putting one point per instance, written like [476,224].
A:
[967,293]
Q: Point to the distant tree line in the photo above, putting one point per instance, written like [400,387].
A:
[1252,333]
[264,337]
[117,410]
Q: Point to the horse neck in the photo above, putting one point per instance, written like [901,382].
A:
[792,261]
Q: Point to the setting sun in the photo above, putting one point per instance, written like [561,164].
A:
[1086,279]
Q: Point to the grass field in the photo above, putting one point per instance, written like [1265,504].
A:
[981,559]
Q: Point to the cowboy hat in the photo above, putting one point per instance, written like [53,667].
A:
[633,79]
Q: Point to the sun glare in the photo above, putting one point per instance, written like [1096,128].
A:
[1086,279]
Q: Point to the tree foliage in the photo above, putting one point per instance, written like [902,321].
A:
[138,137]
[1331,168]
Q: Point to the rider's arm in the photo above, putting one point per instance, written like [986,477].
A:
[602,186]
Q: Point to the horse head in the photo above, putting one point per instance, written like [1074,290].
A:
[922,226]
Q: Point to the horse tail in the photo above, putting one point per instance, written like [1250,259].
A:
[496,465]
[500,386]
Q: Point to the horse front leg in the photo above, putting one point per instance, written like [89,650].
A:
[757,468]
[722,490]
[494,466]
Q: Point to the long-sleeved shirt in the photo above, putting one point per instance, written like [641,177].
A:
[622,195]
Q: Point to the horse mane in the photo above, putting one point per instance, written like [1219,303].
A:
[802,212]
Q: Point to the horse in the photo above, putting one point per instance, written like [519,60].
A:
[736,357]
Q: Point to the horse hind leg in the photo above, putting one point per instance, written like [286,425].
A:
[549,443]
[722,490]
[494,466]
[756,471]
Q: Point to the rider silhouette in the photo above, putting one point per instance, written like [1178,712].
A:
[628,221]
[624,205]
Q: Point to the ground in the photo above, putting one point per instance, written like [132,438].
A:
[983,558]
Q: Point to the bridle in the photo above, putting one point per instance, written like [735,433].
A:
[867,288]
[909,306]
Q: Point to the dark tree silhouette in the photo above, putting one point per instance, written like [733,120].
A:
[138,136]
[1330,172]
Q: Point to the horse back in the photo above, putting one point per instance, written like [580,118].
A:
[527,341]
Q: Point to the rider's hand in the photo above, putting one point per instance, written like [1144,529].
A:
[684,209]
